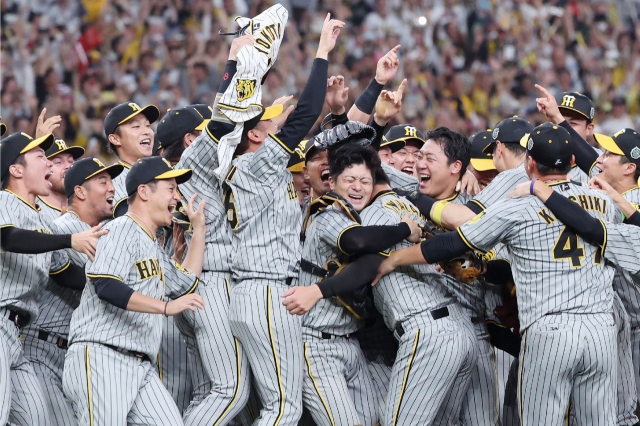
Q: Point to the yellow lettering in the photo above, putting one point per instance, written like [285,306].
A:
[568,100]
[546,216]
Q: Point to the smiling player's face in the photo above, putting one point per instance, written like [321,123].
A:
[354,184]
[163,201]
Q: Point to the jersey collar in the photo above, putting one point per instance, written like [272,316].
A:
[141,226]
[48,205]
[36,208]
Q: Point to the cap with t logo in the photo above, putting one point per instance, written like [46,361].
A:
[60,147]
[576,102]
[149,169]
[123,112]
[17,144]
[83,170]
[398,136]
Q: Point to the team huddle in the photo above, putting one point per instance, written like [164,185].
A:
[226,271]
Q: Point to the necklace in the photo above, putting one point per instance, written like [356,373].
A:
[148,228]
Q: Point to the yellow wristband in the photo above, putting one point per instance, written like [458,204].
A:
[436,216]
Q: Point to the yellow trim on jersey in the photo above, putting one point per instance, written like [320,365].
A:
[479,204]
[471,246]
[74,213]
[286,148]
[94,276]
[558,182]
[315,385]
[211,134]
[236,391]
[274,350]
[520,373]
[192,288]
[48,205]
[159,365]
[87,366]
[115,206]
[36,208]
[406,377]
[153,237]
[451,198]
[355,225]
[8,225]
[629,190]
[64,268]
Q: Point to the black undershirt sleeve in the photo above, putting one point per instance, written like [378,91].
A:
[498,272]
[634,219]
[358,274]
[366,102]
[372,239]
[584,153]
[16,240]
[443,247]
[73,277]
[576,218]
[339,119]
[474,207]
[375,143]
[113,292]
[219,124]
[309,106]
[424,203]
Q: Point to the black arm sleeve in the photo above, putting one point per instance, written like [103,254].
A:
[113,291]
[498,272]
[229,71]
[73,277]
[576,218]
[443,247]
[356,275]
[18,240]
[585,155]
[309,106]
[474,207]
[375,143]
[220,125]
[373,239]
[424,203]
[339,119]
[634,219]
[366,102]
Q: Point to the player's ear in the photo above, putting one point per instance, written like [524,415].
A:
[16,170]
[590,128]
[332,183]
[456,167]
[115,139]
[80,192]
[305,171]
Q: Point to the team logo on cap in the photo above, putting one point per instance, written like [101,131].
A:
[300,149]
[530,144]
[592,113]
[635,153]
[568,100]
[494,135]
[135,106]
[410,131]
[245,89]
[61,144]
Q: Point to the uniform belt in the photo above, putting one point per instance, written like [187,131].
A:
[477,320]
[327,336]
[289,280]
[436,314]
[60,342]
[313,269]
[140,355]
[20,320]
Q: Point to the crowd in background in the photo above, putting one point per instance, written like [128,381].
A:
[469,63]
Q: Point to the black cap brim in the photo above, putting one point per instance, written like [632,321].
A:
[150,111]
[394,146]
[75,151]
[3,129]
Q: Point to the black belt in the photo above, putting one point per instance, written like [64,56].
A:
[140,355]
[289,280]
[60,342]
[436,314]
[20,320]
[327,336]
[313,269]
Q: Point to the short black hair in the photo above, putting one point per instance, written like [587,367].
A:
[174,151]
[71,198]
[348,154]
[515,148]
[20,160]
[112,148]
[153,185]
[546,170]
[380,177]
[455,145]
[625,160]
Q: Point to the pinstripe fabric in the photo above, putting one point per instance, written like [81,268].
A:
[399,179]
[337,388]
[503,365]
[21,397]
[584,348]
[119,183]
[173,364]
[501,185]
[511,407]
[577,175]
[272,341]
[627,399]
[107,387]
[48,212]
[381,376]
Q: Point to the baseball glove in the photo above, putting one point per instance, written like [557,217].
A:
[503,338]
[466,268]
[430,229]
[359,302]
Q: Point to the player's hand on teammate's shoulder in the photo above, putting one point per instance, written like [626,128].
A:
[190,302]
[196,217]
[282,118]
[521,190]
[416,231]
[387,66]
[87,241]
[468,184]
[299,300]
[328,36]
[238,43]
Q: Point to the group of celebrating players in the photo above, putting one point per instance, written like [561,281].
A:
[230,272]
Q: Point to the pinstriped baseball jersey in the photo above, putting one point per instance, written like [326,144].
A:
[322,244]
[58,303]
[120,186]
[553,269]
[131,255]
[400,180]
[409,290]
[24,275]
[202,157]
[501,186]
[264,214]
[48,212]
[493,293]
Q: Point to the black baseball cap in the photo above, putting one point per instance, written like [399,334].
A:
[267,113]
[83,170]
[17,144]
[204,110]
[60,147]
[481,160]
[549,145]
[398,136]
[123,112]
[625,142]
[576,102]
[178,122]
[509,130]
[3,128]
[148,169]
[297,159]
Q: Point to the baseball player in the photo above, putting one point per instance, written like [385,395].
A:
[265,220]
[300,178]
[61,157]
[387,148]
[481,164]
[128,128]
[116,330]
[405,157]
[26,267]
[88,186]
[560,319]
[177,130]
